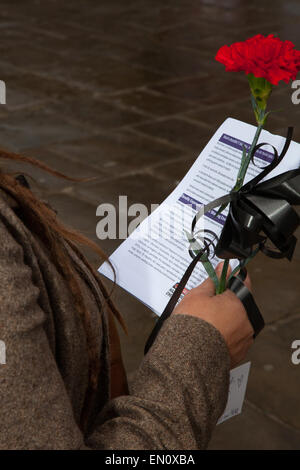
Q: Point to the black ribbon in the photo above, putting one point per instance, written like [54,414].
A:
[236,285]
[258,211]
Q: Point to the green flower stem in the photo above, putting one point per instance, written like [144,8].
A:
[245,161]
[260,93]
[239,183]
[222,282]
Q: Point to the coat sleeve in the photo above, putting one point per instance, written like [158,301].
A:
[178,394]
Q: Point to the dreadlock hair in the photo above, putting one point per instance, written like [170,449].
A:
[42,221]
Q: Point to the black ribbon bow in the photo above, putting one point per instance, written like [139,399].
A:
[258,211]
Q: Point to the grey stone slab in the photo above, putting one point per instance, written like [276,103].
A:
[27,130]
[75,213]
[191,34]
[252,430]
[169,60]
[139,188]
[174,171]
[215,115]
[47,181]
[151,104]
[296,256]
[204,88]
[274,380]
[100,73]
[275,285]
[33,86]
[81,216]
[28,55]
[118,153]
[95,113]
[189,136]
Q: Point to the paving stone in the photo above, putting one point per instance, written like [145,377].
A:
[43,180]
[169,60]
[281,103]
[215,115]
[252,430]
[81,216]
[27,130]
[251,16]
[116,31]
[190,34]
[212,43]
[33,86]
[205,89]
[32,57]
[274,380]
[95,114]
[152,104]
[275,286]
[56,36]
[65,165]
[119,76]
[289,29]
[99,73]
[174,171]
[139,188]
[118,153]
[187,135]
[157,18]
[19,97]
[296,256]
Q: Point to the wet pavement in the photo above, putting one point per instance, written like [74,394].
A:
[129,93]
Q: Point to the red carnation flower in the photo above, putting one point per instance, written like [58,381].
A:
[267,57]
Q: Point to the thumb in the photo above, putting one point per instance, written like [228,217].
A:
[207,288]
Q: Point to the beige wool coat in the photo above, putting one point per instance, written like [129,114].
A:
[176,398]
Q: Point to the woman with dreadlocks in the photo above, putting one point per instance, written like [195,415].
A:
[63,385]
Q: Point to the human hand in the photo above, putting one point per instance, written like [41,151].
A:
[224,311]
